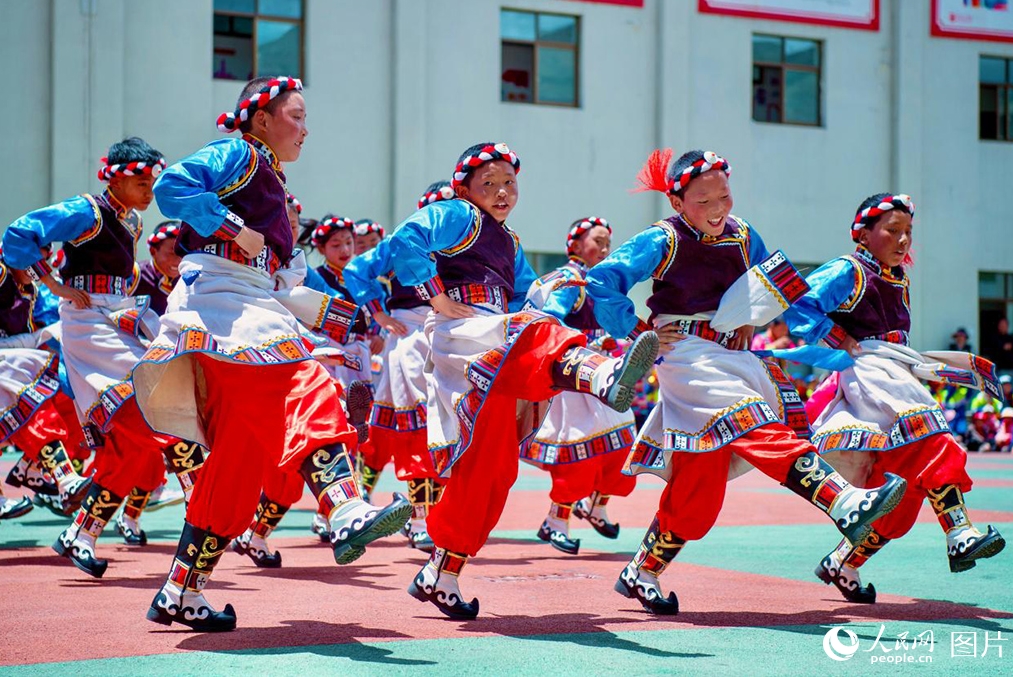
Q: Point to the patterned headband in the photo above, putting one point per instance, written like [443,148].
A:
[163,233]
[499,151]
[108,171]
[441,193]
[581,227]
[296,205]
[863,217]
[229,122]
[368,227]
[654,175]
[709,161]
[329,226]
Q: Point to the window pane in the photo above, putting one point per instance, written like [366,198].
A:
[247,6]
[290,9]
[988,112]
[992,70]
[517,83]
[555,28]
[232,56]
[767,48]
[802,52]
[1009,115]
[278,48]
[990,285]
[766,94]
[222,23]
[517,25]
[557,71]
[801,96]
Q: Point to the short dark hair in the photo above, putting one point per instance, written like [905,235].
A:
[132,149]
[251,88]
[684,162]
[307,226]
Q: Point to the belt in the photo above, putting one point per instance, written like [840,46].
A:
[266,260]
[702,329]
[493,298]
[99,284]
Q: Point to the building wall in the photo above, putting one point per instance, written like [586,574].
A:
[396,89]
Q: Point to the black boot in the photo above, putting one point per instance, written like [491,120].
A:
[639,580]
[852,509]
[181,599]
[588,509]
[128,523]
[421,494]
[840,568]
[611,380]
[28,473]
[12,509]
[185,460]
[77,542]
[354,523]
[71,486]
[253,542]
[965,544]
[559,538]
[437,583]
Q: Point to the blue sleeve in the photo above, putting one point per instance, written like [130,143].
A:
[610,281]
[315,281]
[188,190]
[63,222]
[46,310]
[363,271]
[524,277]
[561,301]
[441,225]
[831,286]
[757,249]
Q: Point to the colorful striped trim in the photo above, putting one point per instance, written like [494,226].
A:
[335,318]
[671,246]
[198,340]
[39,270]
[266,260]
[783,278]
[385,415]
[95,227]
[702,329]
[619,438]
[100,284]
[836,336]
[494,298]
[639,329]
[897,336]
[909,427]
[453,563]
[179,573]
[375,306]
[792,406]
[858,291]
[427,290]
[827,493]
[470,239]
[339,493]
[45,384]
[251,168]
[108,403]
[230,228]
[560,511]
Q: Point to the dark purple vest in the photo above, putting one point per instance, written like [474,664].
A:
[880,303]
[694,279]
[259,199]
[15,306]
[402,296]
[486,257]
[109,247]
[335,280]
[150,284]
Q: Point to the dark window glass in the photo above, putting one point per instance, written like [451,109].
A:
[539,58]
[786,80]
[278,27]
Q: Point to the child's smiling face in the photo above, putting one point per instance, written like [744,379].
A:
[706,202]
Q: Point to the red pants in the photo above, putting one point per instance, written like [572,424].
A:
[696,491]
[477,489]
[132,455]
[74,442]
[46,425]
[258,419]
[374,455]
[410,451]
[574,481]
[929,463]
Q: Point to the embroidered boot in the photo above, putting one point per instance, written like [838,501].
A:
[612,380]
[163,496]
[368,477]
[185,459]
[354,523]
[853,510]
[12,508]
[128,524]
[964,543]
[592,509]
[639,580]
[437,583]
[253,542]
[556,529]
[181,598]
[77,542]
[28,473]
[321,527]
[420,494]
[72,487]
[840,568]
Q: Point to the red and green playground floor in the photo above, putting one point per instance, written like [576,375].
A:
[750,603]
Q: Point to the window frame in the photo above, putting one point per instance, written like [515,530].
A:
[1004,99]
[256,16]
[535,44]
[783,66]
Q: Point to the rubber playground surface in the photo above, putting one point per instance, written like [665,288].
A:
[750,604]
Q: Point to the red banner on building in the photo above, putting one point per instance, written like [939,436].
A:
[973,19]
[860,14]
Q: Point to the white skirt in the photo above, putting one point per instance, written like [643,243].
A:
[347,362]
[401,391]
[710,396]
[465,357]
[28,378]
[578,427]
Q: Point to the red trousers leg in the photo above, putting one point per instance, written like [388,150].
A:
[132,455]
[76,446]
[573,481]
[611,481]
[476,492]
[929,463]
[45,426]
[374,456]
[283,487]
[410,451]
[313,417]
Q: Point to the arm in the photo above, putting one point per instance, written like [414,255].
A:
[832,285]
[610,281]
[24,239]
[524,277]
[361,275]
[562,299]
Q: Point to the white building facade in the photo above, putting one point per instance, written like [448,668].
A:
[396,89]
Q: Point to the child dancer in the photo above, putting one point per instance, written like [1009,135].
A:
[881,419]
[580,439]
[368,234]
[713,281]
[461,257]
[230,358]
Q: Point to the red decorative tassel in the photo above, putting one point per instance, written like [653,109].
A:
[654,174]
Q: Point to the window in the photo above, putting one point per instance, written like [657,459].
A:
[539,57]
[995,301]
[254,38]
[995,96]
[546,262]
[786,80]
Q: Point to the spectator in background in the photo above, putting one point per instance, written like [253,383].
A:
[984,428]
[1000,348]
[775,337]
[960,341]
[1004,438]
